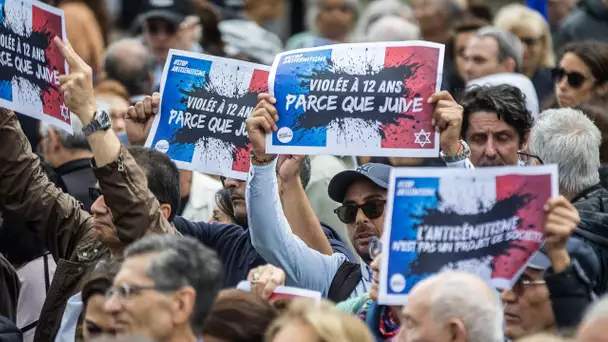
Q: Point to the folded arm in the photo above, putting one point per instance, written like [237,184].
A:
[271,235]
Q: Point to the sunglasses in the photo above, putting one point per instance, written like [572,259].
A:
[372,209]
[94,194]
[156,27]
[575,79]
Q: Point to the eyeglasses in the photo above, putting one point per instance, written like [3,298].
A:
[372,209]
[529,41]
[529,159]
[124,291]
[521,285]
[156,27]
[575,79]
[94,194]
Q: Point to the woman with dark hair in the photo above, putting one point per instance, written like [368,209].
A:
[238,316]
[223,212]
[211,38]
[87,23]
[96,322]
[582,73]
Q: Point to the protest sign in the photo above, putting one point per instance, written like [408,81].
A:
[485,221]
[30,62]
[284,292]
[204,104]
[357,99]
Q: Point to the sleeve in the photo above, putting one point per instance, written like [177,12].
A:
[462,164]
[135,210]
[570,293]
[26,190]
[271,235]
[207,233]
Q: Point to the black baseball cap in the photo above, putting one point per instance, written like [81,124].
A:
[174,11]
[579,251]
[379,174]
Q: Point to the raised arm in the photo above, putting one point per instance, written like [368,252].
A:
[298,211]
[135,210]
[271,234]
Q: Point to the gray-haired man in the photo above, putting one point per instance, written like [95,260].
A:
[165,289]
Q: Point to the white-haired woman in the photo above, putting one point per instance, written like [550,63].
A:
[332,21]
[535,35]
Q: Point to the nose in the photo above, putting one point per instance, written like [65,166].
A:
[490,149]
[508,296]
[111,305]
[99,206]
[563,83]
[361,216]
[231,183]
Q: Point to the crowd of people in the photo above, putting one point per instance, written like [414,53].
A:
[102,239]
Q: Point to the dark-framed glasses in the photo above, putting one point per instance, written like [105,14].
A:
[373,209]
[529,159]
[575,79]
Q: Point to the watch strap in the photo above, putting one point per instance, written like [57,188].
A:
[463,154]
[101,121]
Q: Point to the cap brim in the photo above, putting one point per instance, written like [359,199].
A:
[540,262]
[169,16]
[339,184]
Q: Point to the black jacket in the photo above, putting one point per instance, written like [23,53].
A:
[77,177]
[592,205]
[8,331]
[9,290]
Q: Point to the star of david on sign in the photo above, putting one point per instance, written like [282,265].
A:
[65,112]
[422,138]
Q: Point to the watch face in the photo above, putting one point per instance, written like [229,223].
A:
[103,118]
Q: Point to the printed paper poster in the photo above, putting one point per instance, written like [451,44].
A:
[284,292]
[204,104]
[30,62]
[485,221]
[357,99]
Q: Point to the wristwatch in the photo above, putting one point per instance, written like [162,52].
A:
[101,122]
[460,156]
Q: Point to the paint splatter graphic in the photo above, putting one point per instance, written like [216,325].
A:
[31,63]
[205,103]
[378,97]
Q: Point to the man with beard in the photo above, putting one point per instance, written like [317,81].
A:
[362,192]
[495,125]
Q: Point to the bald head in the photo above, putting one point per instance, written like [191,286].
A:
[457,304]
[593,326]
[129,62]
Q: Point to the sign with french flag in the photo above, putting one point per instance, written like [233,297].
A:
[357,99]
[205,101]
[488,221]
[30,62]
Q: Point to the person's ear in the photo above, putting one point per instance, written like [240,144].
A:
[510,65]
[524,142]
[166,210]
[183,305]
[457,331]
[602,89]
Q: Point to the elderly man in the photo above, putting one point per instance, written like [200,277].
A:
[593,326]
[442,309]
[70,156]
[165,289]
[494,57]
[568,138]
[129,62]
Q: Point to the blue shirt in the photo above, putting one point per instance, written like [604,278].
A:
[272,237]
[234,248]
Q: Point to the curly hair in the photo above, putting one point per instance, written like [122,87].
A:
[508,102]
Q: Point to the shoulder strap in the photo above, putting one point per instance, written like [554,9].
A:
[47,280]
[345,281]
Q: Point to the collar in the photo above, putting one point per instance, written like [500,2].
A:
[74,165]
[366,272]
[586,193]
